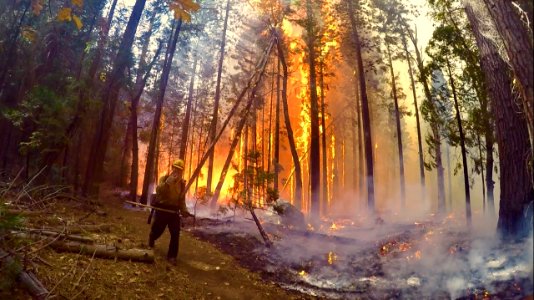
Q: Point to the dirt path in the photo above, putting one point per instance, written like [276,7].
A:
[202,272]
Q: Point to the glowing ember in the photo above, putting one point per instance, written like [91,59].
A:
[404,247]
[332,257]
[418,254]
[303,273]
[334,226]
[310,227]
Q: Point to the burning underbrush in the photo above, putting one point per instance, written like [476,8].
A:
[374,259]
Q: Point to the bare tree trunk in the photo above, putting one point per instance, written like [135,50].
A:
[109,101]
[511,130]
[323,143]
[479,144]
[149,169]
[462,145]
[290,137]
[398,127]
[366,121]
[187,119]
[276,146]
[416,108]
[435,127]
[134,173]
[253,82]
[213,128]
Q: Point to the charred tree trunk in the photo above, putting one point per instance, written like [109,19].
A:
[398,127]
[315,158]
[213,128]
[149,169]
[462,145]
[511,130]
[109,100]
[290,137]
[366,121]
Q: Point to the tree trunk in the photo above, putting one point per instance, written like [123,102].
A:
[187,119]
[435,141]
[253,82]
[226,166]
[109,100]
[416,108]
[462,145]
[315,158]
[213,127]
[366,121]
[323,143]
[149,169]
[276,144]
[290,137]
[134,178]
[125,156]
[479,144]
[518,45]
[511,130]
[398,127]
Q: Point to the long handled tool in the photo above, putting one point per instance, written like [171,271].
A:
[152,208]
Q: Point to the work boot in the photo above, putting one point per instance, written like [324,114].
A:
[171,261]
[151,243]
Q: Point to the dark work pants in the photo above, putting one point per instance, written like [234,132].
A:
[163,219]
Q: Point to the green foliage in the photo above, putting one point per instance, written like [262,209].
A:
[8,270]
[47,113]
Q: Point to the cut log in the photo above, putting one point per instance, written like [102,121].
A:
[36,234]
[27,279]
[105,251]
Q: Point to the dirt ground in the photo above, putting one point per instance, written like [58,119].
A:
[202,271]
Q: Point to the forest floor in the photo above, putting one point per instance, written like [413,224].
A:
[202,271]
[224,257]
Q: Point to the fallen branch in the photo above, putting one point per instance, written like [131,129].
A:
[27,279]
[37,233]
[264,235]
[105,251]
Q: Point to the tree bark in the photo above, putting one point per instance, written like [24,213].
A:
[511,130]
[366,121]
[518,45]
[276,144]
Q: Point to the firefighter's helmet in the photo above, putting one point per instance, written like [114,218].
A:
[179,164]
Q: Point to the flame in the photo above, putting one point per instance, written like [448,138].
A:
[332,257]
[418,254]
[333,226]
[303,273]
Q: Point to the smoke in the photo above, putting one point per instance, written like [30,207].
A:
[408,255]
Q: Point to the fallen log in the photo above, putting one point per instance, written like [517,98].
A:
[105,251]
[27,279]
[36,234]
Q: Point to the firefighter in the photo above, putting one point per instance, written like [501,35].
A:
[170,195]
